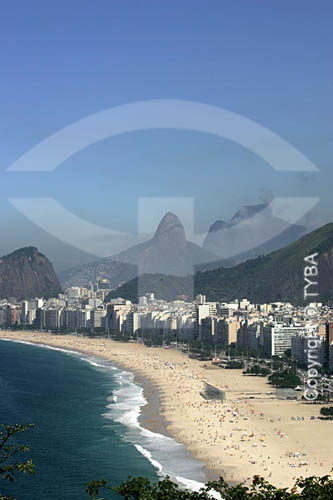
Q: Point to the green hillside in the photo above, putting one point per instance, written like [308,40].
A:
[164,286]
[278,276]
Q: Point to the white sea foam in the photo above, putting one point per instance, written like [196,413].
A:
[98,365]
[147,454]
[195,486]
[188,483]
[164,453]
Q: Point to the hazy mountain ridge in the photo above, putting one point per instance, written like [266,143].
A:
[107,267]
[278,276]
[253,230]
[167,252]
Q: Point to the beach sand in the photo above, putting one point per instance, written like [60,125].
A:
[251,432]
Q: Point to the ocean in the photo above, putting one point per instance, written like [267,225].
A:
[86,416]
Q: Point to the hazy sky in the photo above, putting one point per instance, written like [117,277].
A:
[269,61]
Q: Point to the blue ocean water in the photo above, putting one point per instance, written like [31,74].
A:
[85,413]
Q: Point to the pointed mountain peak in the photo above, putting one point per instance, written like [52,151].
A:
[170,233]
[168,222]
[217,226]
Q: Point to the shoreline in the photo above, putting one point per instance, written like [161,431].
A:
[252,432]
[150,417]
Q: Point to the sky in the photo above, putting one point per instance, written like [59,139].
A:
[266,61]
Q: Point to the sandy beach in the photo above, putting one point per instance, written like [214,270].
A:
[251,432]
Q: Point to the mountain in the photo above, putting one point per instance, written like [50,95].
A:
[254,230]
[247,211]
[167,252]
[26,273]
[116,272]
[164,286]
[278,276]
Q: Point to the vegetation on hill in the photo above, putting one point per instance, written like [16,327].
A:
[11,455]
[278,276]
[164,286]
[311,488]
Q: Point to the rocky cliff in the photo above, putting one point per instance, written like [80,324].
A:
[26,273]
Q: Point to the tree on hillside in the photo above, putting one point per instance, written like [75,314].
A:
[311,488]
[10,454]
